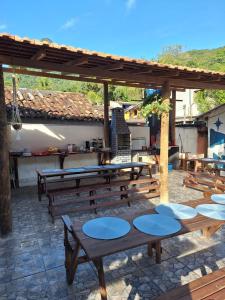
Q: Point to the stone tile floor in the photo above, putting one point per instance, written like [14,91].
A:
[32,257]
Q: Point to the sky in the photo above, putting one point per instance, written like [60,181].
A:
[134,28]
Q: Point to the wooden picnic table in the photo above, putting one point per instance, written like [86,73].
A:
[96,249]
[15,156]
[201,162]
[43,175]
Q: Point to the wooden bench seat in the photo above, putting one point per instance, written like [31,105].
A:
[74,181]
[209,287]
[91,187]
[95,196]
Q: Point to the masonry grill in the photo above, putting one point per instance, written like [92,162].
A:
[120,137]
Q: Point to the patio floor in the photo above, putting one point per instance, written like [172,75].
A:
[32,257]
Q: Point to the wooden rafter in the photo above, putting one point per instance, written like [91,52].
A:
[127,76]
[77,62]
[116,66]
[39,55]
[73,78]
[16,51]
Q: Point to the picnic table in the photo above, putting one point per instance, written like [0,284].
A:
[80,172]
[201,162]
[96,249]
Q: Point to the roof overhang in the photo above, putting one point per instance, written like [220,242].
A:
[59,61]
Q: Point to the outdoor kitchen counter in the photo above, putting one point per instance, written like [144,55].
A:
[101,154]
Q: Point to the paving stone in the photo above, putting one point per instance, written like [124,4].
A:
[169,274]
[133,286]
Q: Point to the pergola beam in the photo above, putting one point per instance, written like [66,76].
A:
[74,78]
[115,67]
[95,71]
[77,62]
[39,55]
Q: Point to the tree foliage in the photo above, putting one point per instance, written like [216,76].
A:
[213,59]
[93,91]
[153,105]
[208,99]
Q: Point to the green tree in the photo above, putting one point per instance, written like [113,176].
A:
[205,59]
[208,99]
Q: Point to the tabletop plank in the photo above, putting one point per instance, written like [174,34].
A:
[89,169]
[98,248]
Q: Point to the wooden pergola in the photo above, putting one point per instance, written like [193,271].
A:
[32,57]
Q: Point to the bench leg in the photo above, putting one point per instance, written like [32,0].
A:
[101,277]
[71,262]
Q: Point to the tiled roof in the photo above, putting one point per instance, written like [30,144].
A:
[27,41]
[85,65]
[53,105]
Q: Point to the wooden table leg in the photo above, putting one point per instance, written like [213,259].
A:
[150,170]
[16,172]
[158,251]
[39,187]
[209,231]
[101,277]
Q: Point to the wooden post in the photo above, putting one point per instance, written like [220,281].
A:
[5,192]
[164,140]
[106,115]
[173,118]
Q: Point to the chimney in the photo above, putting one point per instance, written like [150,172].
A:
[120,137]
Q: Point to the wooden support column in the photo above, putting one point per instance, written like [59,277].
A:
[5,193]
[164,141]
[106,115]
[173,118]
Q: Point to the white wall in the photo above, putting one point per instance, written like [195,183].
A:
[187,106]
[189,138]
[38,137]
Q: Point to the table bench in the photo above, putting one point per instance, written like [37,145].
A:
[204,182]
[95,250]
[104,195]
[209,287]
[76,174]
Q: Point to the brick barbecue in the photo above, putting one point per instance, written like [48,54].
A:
[120,137]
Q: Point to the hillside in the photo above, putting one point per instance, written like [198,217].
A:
[210,59]
[213,59]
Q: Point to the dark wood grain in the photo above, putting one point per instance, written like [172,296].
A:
[211,286]
[98,248]
[5,193]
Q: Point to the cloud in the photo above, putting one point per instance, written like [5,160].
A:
[3,26]
[130,4]
[69,24]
